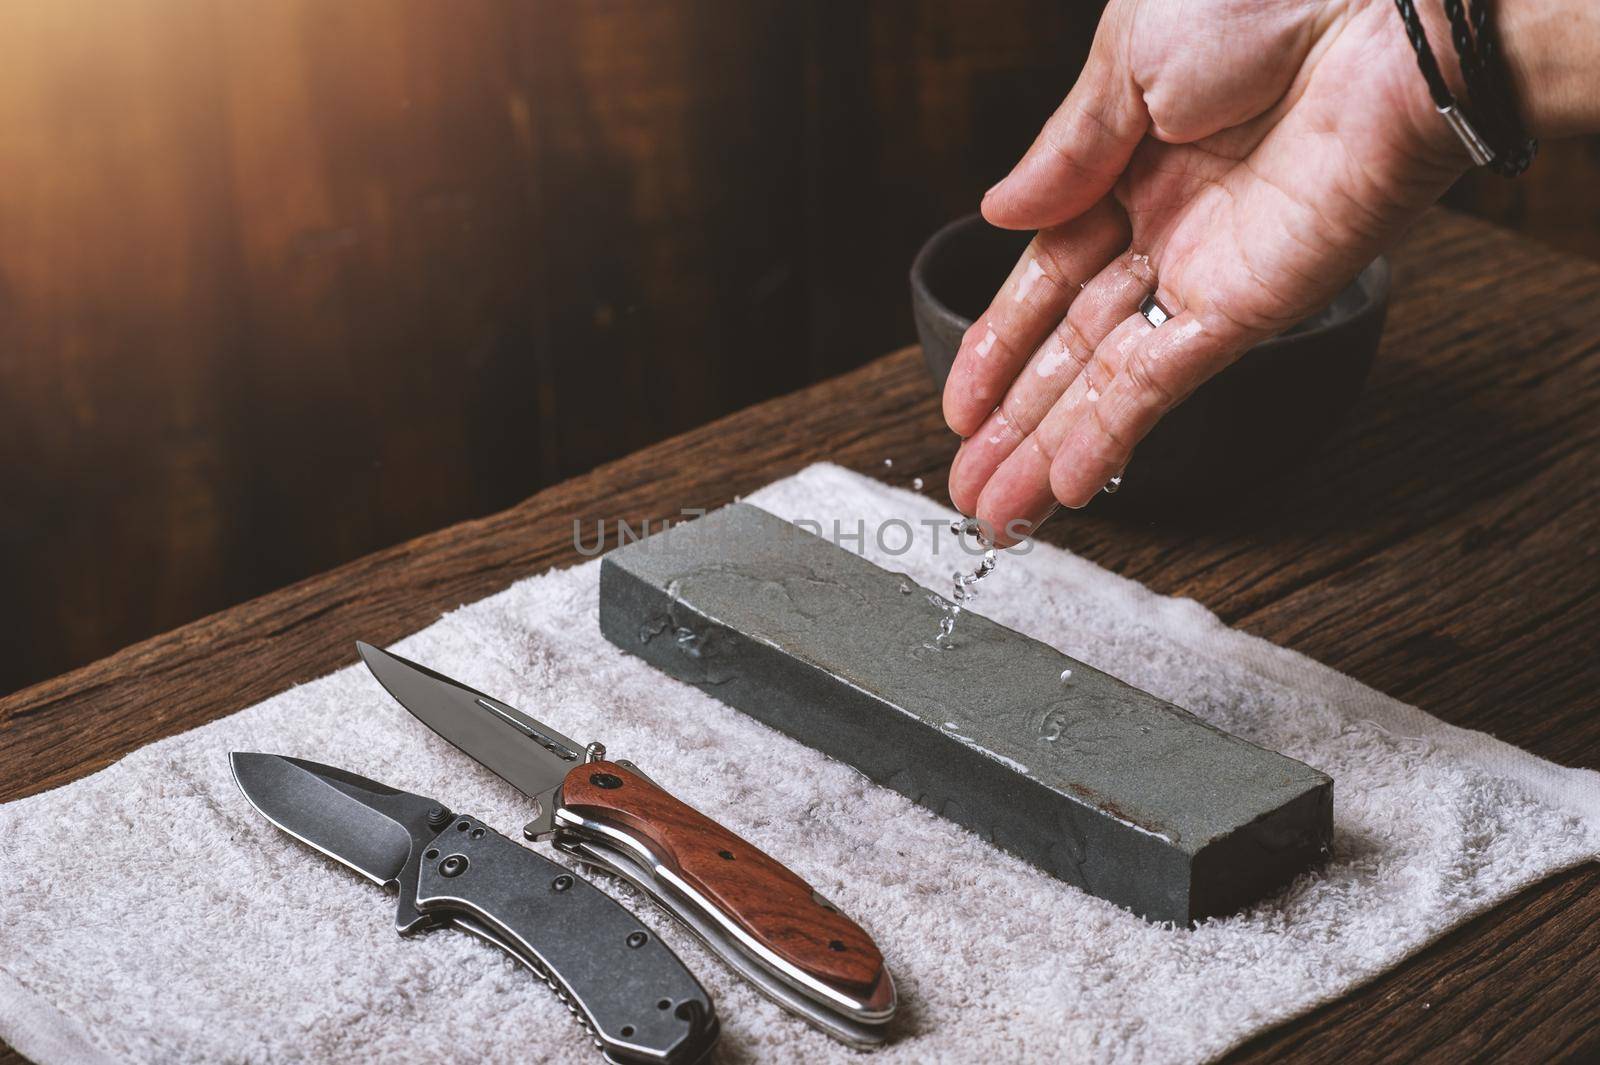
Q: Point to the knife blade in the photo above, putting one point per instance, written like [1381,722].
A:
[761,918]
[625,987]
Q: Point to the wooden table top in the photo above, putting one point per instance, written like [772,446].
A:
[1441,547]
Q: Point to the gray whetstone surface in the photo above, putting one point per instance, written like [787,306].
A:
[1094,781]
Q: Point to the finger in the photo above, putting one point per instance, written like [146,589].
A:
[1113,295]
[1021,487]
[1080,152]
[1155,374]
[1042,286]
[978,456]
[1017,497]
[1090,386]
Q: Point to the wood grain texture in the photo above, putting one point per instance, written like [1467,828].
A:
[1554,201]
[761,894]
[1443,546]
[285,283]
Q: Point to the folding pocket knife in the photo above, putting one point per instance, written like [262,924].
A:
[623,985]
[762,919]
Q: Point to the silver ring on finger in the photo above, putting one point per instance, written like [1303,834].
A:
[1153,311]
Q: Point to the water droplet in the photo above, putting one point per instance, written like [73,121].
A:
[688,641]
[1144,730]
[1066,676]
[916,484]
[887,463]
[963,584]
[1111,486]
[905,587]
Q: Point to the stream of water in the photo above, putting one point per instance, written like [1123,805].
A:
[964,585]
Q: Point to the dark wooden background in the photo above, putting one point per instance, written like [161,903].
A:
[282,283]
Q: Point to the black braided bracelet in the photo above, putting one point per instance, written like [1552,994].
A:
[1493,135]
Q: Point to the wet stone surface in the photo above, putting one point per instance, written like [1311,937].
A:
[1090,779]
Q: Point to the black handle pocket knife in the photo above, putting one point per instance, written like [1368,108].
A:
[624,986]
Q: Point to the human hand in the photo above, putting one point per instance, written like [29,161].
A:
[1242,161]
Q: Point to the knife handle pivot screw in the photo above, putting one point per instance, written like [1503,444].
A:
[438,817]
[454,865]
[595,752]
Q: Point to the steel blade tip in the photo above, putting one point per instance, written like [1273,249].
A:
[523,750]
[243,763]
[361,823]
[253,773]
[375,658]
[254,768]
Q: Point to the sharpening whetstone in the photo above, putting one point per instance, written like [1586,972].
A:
[1094,781]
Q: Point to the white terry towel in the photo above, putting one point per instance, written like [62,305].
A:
[153,915]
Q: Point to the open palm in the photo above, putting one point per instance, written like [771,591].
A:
[1241,162]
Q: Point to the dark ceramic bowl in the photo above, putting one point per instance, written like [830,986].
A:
[1255,419]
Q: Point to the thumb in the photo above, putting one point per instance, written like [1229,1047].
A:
[1080,153]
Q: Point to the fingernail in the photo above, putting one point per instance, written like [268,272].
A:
[1062,503]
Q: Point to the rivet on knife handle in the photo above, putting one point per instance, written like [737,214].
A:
[771,910]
